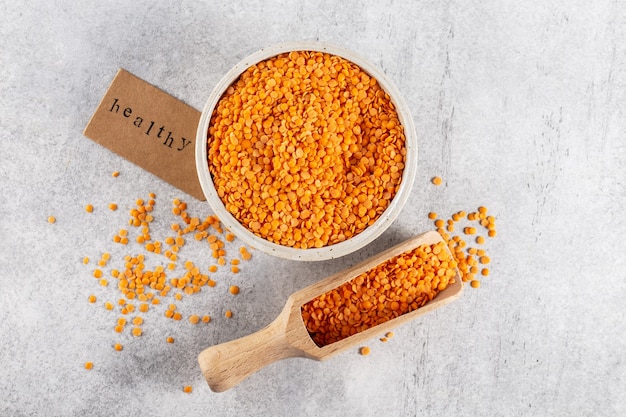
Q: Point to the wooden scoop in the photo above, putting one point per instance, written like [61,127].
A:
[227,364]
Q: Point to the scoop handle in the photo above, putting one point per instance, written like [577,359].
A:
[227,364]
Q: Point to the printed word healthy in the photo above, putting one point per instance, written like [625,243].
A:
[168,140]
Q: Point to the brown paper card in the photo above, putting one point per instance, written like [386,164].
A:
[149,128]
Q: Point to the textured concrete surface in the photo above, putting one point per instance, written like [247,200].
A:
[519,106]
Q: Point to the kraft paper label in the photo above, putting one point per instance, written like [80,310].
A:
[150,128]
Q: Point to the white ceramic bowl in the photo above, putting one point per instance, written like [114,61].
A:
[312,254]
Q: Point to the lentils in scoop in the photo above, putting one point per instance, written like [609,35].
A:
[393,288]
[306,149]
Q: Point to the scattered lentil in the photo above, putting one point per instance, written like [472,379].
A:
[467,257]
[136,281]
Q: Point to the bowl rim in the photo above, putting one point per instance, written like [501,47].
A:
[326,252]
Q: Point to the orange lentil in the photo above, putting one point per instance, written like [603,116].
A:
[194,319]
[480,240]
[108,306]
[51,219]
[206,319]
[341,161]
[118,347]
[92,298]
[475,283]
[188,389]
[89,208]
[112,206]
[395,287]
[437,180]
[484,260]
[89,366]
[228,314]
[86,260]
[137,331]
[233,289]
[491,233]
[169,339]
[469,230]
[234,269]
[365,350]
[484,272]
[97,273]
[137,321]
[432,215]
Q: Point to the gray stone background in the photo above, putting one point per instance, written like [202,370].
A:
[519,106]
